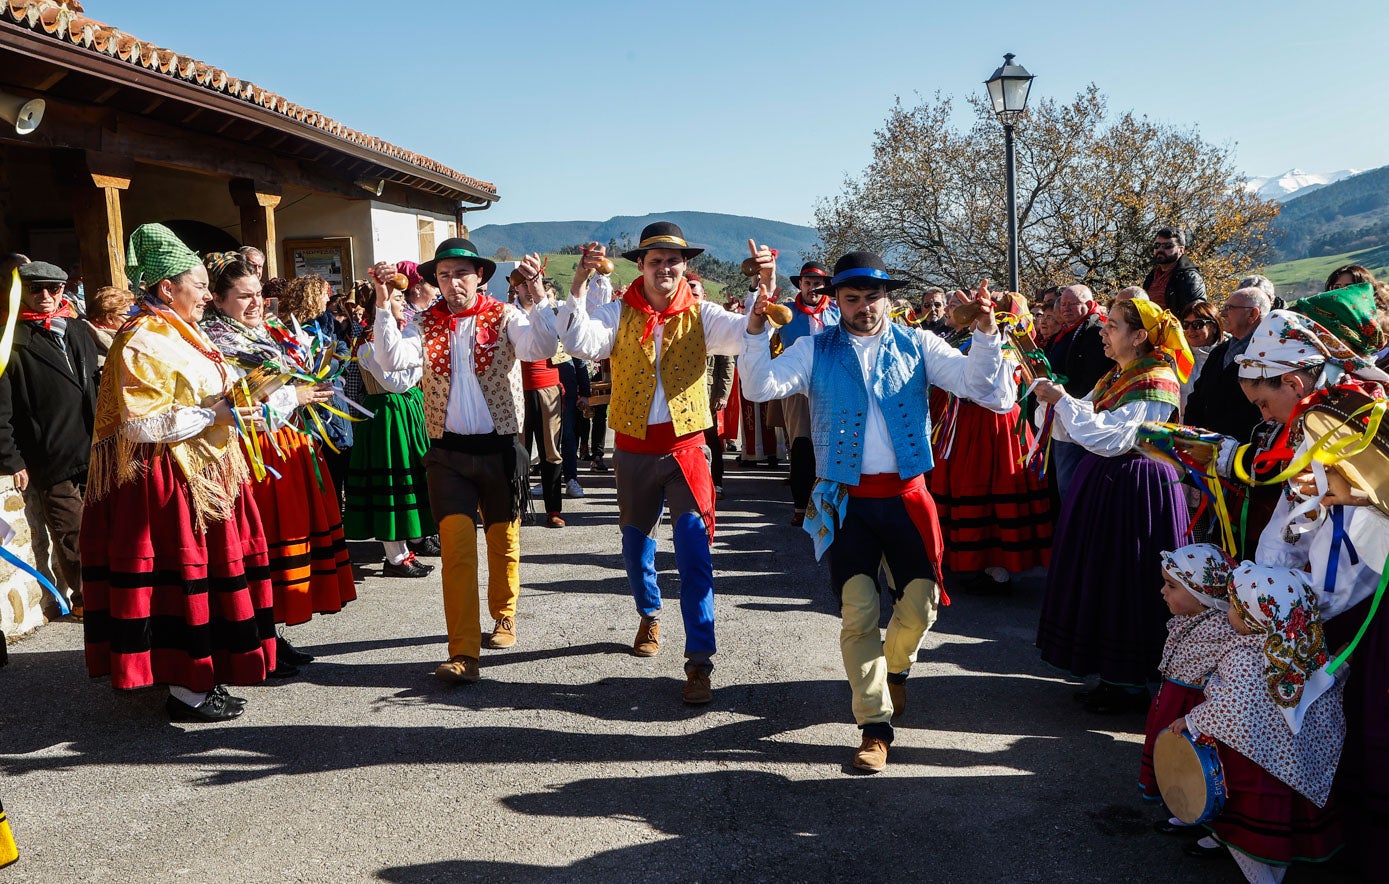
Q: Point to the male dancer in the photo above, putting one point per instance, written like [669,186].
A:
[868,381]
[657,338]
[812,311]
[471,346]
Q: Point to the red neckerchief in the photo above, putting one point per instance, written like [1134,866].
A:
[812,311]
[682,300]
[63,311]
[1092,307]
[438,323]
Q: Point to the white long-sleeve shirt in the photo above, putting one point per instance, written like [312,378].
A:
[1106,433]
[532,336]
[591,336]
[980,376]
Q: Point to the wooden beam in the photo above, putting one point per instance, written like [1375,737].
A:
[100,230]
[257,202]
[152,106]
[50,81]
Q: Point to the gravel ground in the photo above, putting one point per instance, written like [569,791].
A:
[574,760]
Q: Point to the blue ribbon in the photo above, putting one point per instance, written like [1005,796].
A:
[63,607]
[1339,538]
[857,272]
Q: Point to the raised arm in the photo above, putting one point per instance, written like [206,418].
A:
[982,376]
[764,378]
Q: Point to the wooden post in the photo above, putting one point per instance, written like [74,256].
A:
[97,217]
[257,201]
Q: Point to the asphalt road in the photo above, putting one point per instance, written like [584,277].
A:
[574,760]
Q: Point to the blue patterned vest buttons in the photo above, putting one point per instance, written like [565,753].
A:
[839,404]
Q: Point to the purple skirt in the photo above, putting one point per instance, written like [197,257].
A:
[1103,612]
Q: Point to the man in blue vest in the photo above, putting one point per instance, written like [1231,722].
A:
[868,381]
[812,311]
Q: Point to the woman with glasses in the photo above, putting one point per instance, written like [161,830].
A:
[1201,326]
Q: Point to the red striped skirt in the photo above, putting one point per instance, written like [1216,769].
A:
[1172,702]
[1269,821]
[309,564]
[166,604]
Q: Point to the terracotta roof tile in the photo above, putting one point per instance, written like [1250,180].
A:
[65,20]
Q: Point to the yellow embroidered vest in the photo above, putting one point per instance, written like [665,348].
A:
[682,374]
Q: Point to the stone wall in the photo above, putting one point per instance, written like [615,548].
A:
[20,612]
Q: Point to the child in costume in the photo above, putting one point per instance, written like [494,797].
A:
[1196,587]
[1274,713]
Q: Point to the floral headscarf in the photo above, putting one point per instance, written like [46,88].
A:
[1347,312]
[1165,334]
[1204,570]
[1279,603]
[1286,341]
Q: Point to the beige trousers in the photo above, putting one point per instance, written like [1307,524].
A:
[868,657]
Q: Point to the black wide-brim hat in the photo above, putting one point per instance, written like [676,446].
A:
[815,270]
[456,248]
[862,267]
[663,235]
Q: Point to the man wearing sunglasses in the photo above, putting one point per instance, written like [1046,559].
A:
[933,311]
[1175,281]
[1217,401]
[47,406]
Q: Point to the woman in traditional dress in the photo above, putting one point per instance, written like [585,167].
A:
[174,561]
[387,495]
[1103,613]
[298,504]
[995,513]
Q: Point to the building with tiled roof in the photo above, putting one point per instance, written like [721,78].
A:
[132,132]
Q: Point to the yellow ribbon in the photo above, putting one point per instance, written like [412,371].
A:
[1326,450]
[11,317]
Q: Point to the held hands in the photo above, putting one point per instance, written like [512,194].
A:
[1049,392]
[766,286]
[985,323]
[589,258]
[1339,491]
[250,416]
[314,394]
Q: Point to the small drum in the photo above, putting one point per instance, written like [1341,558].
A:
[1189,776]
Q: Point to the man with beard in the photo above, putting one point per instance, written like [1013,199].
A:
[657,338]
[1175,281]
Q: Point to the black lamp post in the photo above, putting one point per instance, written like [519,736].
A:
[1008,89]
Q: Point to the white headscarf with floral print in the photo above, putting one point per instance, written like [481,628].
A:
[1204,570]
[1287,341]
[1279,603]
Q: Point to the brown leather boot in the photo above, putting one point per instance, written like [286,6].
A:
[897,693]
[648,642]
[697,690]
[871,755]
[503,634]
[458,670]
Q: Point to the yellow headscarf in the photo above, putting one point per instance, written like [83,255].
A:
[1165,334]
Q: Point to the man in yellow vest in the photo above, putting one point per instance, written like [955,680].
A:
[657,336]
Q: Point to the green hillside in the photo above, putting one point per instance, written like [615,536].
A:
[1308,275]
[561,269]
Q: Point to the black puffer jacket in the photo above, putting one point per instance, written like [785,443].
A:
[1184,288]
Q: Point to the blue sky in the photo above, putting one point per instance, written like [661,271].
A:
[588,110]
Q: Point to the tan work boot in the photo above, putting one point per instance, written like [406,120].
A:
[871,755]
[458,670]
[697,690]
[648,642]
[897,693]
[503,634]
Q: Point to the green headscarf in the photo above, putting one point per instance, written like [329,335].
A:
[1347,313]
[156,254]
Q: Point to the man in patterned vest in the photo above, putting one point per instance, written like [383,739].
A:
[472,346]
[868,381]
[657,337]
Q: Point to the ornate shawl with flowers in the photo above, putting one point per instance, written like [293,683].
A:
[1147,379]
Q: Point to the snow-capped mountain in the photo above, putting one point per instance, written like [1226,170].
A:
[1295,182]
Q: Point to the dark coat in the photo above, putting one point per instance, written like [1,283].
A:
[1079,356]
[47,406]
[1186,286]
[1217,401]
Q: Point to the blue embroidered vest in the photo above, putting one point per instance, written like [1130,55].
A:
[839,404]
[799,326]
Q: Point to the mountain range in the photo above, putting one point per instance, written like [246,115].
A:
[723,236]
[1343,216]
[1295,182]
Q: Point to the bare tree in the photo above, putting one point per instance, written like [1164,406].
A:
[1091,191]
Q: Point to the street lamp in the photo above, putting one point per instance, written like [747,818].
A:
[1008,89]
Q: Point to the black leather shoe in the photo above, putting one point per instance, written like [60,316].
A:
[214,708]
[1165,826]
[427,546]
[1195,848]
[221,691]
[288,653]
[407,568]
[284,669]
